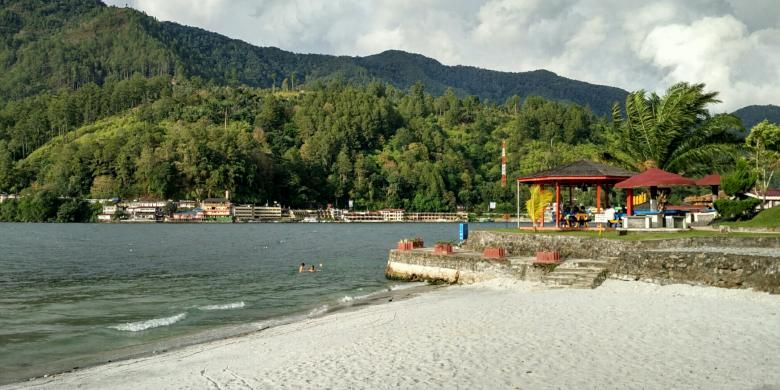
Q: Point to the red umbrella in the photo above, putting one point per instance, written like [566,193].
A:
[655,177]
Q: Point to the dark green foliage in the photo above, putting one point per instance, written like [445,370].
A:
[77,210]
[737,209]
[740,180]
[375,145]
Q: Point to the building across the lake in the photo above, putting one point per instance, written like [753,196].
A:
[217,210]
[252,213]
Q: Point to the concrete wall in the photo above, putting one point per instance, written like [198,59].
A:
[643,260]
[454,268]
[719,269]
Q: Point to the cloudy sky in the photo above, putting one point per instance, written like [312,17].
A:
[731,45]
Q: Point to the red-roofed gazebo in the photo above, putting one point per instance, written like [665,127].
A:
[583,173]
[653,178]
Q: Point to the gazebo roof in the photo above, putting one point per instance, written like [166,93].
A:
[709,180]
[655,177]
[582,171]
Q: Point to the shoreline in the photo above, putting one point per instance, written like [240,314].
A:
[495,334]
[236,331]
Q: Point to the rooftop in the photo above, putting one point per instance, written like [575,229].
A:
[579,171]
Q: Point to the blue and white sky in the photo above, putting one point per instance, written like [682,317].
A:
[731,45]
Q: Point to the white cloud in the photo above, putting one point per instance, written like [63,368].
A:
[731,45]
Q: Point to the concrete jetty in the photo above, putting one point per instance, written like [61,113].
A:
[729,261]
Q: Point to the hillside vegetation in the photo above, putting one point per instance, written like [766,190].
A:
[103,102]
[67,44]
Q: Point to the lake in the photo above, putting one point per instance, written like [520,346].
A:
[73,295]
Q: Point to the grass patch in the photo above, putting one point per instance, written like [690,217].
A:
[636,236]
[769,218]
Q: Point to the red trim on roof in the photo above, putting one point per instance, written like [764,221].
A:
[576,179]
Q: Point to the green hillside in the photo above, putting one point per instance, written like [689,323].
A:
[67,44]
[103,102]
[752,115]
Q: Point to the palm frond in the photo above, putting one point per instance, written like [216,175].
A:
[537,202]
[703,159]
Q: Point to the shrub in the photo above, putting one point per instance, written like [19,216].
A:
[740,180]
[737,209]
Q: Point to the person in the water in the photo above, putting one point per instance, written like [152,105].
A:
[312,269]
[301,268]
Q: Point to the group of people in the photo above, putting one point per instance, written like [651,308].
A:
[577,216]
[302,268]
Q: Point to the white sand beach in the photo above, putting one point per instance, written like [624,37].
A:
[490,336]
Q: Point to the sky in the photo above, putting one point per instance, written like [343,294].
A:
[733,46]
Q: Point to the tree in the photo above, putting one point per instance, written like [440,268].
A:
[740,180]
[736,183]
[763,142]
[6,167]
[674,132]
[536,203]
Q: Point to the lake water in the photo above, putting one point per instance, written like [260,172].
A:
[73,295]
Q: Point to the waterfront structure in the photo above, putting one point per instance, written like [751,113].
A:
[362,216]
[186,204]
[107,213]
[579,174]
[437,217]
[145,211]
[392,215]
[191,215]
[247,213]
[217,209]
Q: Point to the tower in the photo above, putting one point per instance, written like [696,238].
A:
[503,163]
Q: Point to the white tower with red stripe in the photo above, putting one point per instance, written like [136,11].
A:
[503,163]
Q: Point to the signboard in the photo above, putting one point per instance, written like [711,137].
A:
[492,205]
[600,218]
[351,203]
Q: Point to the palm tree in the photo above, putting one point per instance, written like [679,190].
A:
[536,204]
[674,132]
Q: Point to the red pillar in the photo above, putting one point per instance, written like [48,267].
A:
[630,201]
[598,198]
[541,223]
[557,205]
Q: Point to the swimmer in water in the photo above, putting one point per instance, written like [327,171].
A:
[312,269]
[300,269]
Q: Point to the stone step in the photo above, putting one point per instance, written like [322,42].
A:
[583,263]
[583,270]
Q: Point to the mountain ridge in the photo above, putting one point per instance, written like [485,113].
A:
[88,41]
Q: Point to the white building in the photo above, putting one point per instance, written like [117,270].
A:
[772,198]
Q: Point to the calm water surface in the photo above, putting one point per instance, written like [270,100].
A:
[73,295]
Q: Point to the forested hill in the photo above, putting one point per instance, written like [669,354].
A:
[752,115]
[46,46]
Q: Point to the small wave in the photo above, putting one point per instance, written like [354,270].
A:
[227,306]
[349,299]
[318,311]
[404,286]
[149,324]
